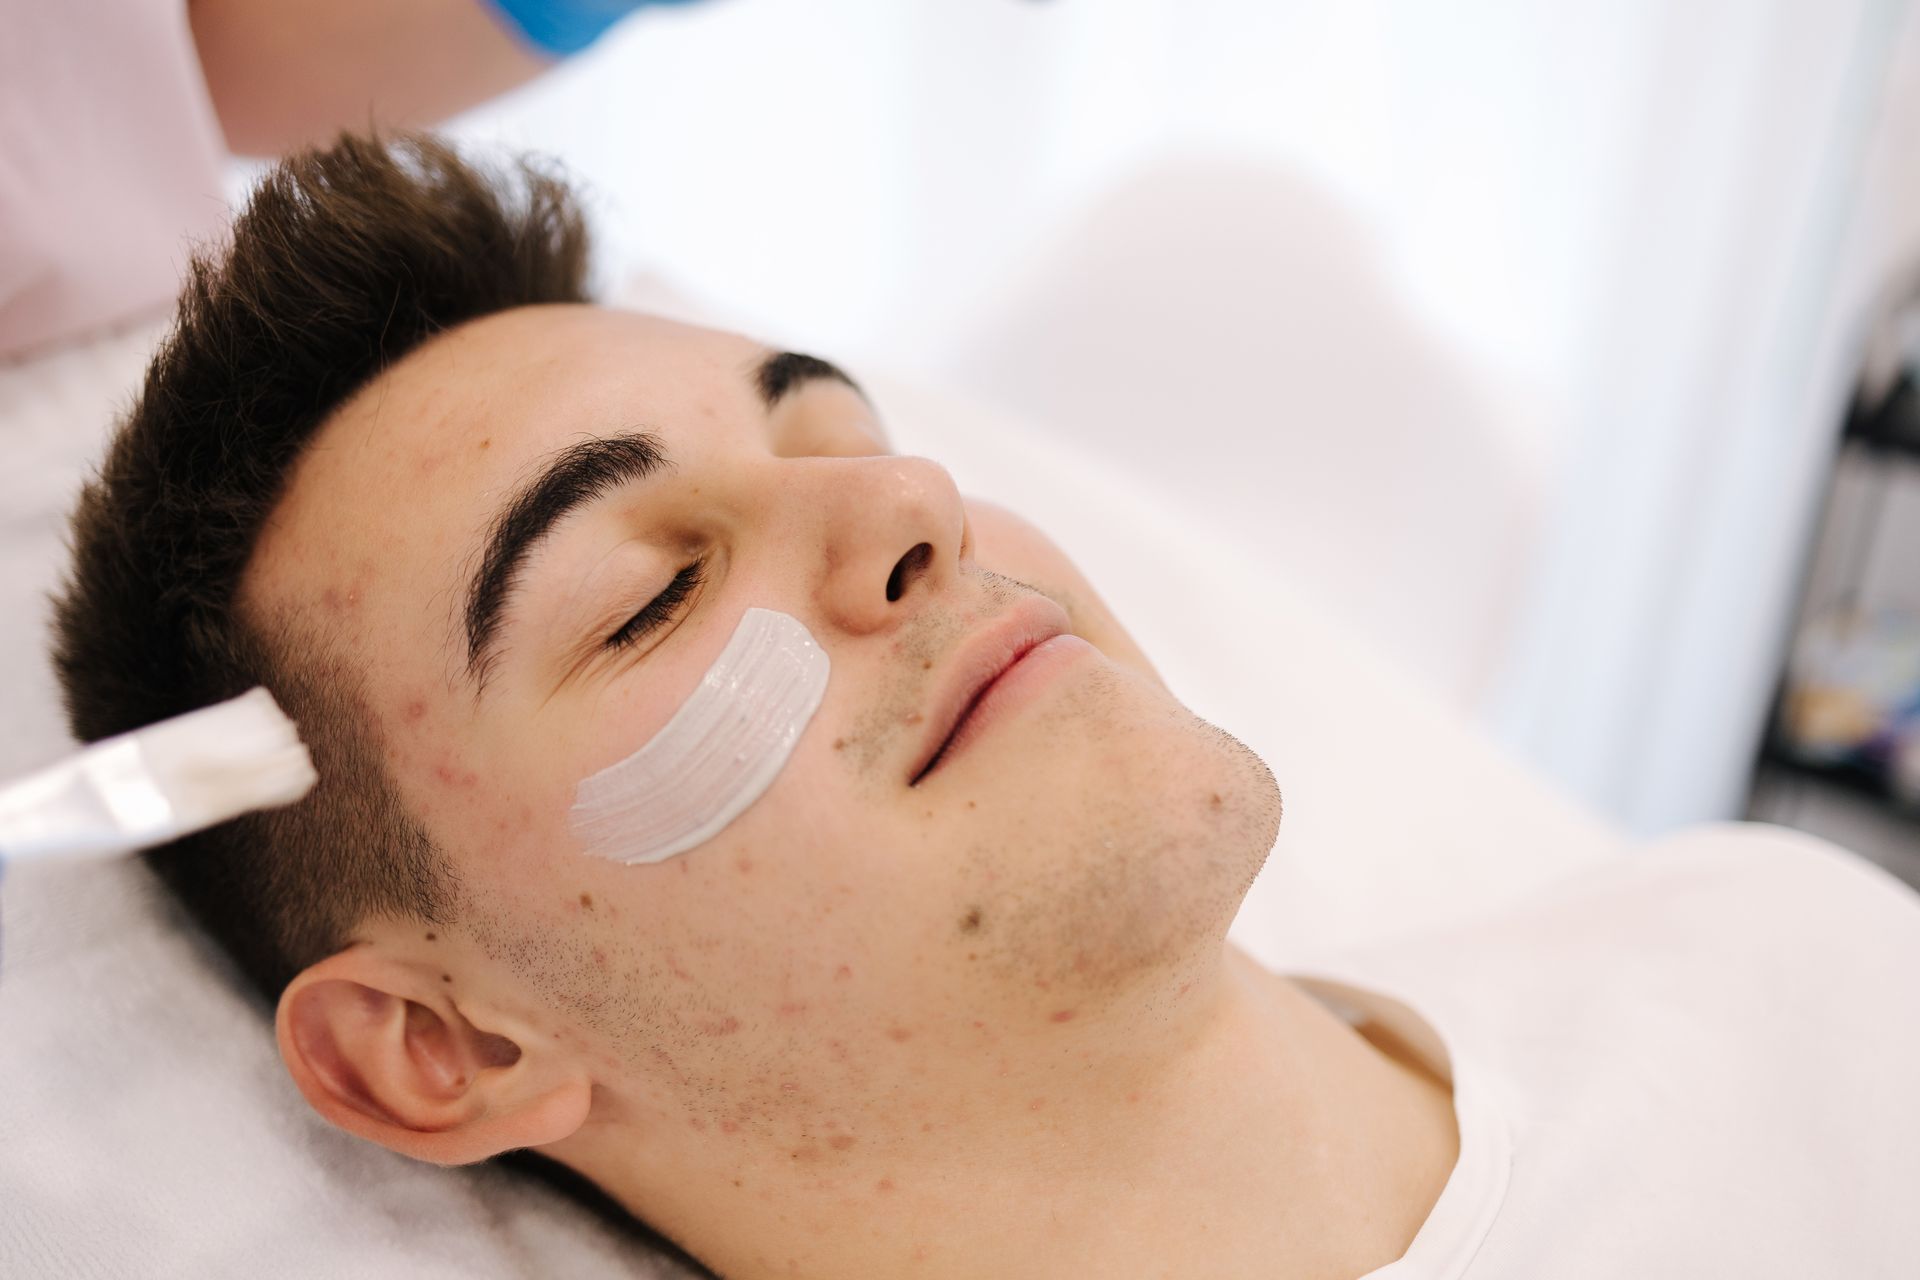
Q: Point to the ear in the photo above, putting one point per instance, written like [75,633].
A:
[380,1049]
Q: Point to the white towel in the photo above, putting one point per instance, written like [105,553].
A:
[148,1129]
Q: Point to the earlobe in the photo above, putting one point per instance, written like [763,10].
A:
[381,1055]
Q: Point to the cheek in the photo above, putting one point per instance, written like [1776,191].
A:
[735,942]
[714,761]
[1005,543]
[502,813]
[811,890]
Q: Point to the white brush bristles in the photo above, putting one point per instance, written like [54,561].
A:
[158,783]
[221,761]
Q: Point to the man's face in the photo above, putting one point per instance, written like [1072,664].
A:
[1095,834]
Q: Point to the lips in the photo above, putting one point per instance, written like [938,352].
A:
[981,660]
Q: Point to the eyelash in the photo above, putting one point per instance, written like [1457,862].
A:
[660,608]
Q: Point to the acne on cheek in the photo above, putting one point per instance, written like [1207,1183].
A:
[341,597]
[450,772]
[453,790]
[452,779]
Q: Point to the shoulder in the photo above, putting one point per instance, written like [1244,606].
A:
[1780,868]
[1775,904]
[1704,904]
[1710,917]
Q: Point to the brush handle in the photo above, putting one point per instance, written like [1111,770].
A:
[100,803]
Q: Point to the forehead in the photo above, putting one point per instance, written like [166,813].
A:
[526,379]
[387,502]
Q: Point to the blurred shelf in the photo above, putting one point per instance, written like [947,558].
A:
[1891,427]
[1857,778]
[1857,821]
[1851,799]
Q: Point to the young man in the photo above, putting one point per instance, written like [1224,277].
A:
[951,996]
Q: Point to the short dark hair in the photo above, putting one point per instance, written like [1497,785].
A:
[345,259]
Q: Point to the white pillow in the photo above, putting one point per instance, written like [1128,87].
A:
[147,1127]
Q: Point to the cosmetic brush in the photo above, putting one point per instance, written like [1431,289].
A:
[157,783]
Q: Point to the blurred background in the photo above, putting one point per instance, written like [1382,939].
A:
[1526,336]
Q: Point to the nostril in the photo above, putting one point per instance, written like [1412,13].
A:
[915,561]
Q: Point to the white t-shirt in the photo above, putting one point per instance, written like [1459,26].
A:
[1701,1059]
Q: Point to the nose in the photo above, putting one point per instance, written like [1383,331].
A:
[895,529]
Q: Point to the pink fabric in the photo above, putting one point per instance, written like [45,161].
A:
[110,165]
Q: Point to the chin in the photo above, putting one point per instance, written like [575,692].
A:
[1135,843]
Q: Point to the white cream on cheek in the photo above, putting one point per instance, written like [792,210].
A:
[721,750]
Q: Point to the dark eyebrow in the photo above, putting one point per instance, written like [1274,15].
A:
[781,373]
[574,477]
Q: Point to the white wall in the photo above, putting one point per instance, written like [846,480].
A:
[1658,220]
[1715,369]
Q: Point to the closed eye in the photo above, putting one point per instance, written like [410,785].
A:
[661,608]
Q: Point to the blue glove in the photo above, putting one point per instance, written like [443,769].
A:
[565,27]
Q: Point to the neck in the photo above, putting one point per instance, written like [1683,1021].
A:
[1229,1126]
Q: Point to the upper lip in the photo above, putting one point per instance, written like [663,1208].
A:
[978,662]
